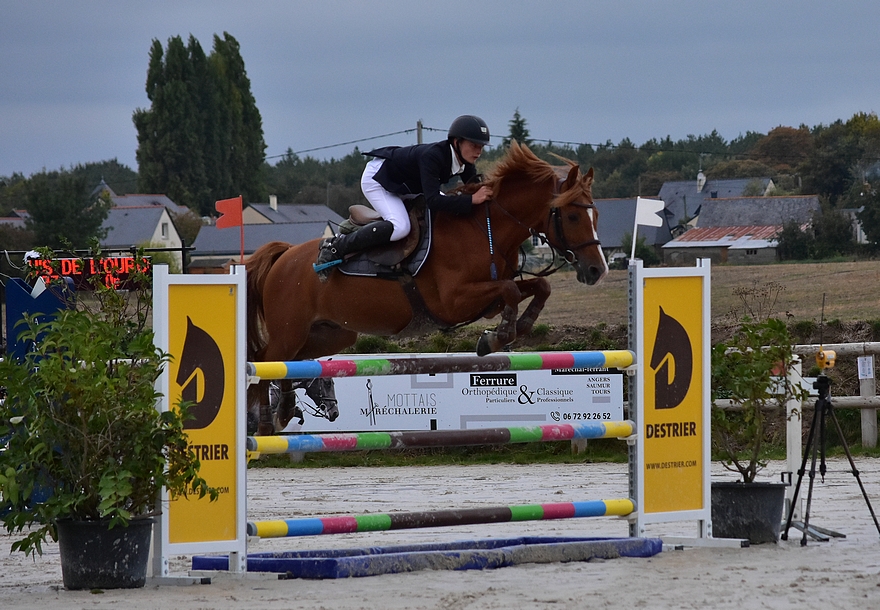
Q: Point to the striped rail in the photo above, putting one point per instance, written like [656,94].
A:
[441,518]
[355,441]
[514,361]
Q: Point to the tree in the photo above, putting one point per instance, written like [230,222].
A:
[518,131]
[243,149]
[121,178]
[202,138]
[793,243]
[13,193]
[784,147]
[834,233]
[170,139]
[646,253]
[63,211]
[842,157]
[869,216]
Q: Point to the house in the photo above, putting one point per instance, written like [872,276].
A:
[17,219]
[216,249]
[147,226]
[684,199]
[272,212]
[858,231]
[739,230]
[616,220]
[141,221]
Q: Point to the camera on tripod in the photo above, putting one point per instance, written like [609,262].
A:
[825,359]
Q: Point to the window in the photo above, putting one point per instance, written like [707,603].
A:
[164,230]
[751,252]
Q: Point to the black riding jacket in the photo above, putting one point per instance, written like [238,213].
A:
[423,169]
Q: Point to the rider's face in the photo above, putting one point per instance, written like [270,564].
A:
[470,151]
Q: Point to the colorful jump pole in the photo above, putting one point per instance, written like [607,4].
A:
[440,518]
[355,441]
[515,361]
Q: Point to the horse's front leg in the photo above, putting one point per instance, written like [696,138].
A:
[539,289]
[286,408]
[506,331]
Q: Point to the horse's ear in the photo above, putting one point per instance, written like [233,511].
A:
[588,178]
[571,180]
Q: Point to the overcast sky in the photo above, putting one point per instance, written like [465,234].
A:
[330,72]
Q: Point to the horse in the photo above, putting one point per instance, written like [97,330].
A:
[470,274]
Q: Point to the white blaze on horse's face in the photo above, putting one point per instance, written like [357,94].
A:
[594,221]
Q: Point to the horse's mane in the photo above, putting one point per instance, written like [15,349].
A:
[520,160]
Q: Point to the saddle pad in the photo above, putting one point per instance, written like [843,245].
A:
[360,264]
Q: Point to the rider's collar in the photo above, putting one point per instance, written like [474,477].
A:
[457,167]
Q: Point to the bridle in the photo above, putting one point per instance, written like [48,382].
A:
[563,247]
[558,243]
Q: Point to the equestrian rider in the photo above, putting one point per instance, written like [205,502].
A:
[397,174]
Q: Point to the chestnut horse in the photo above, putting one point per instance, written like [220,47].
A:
[468,275]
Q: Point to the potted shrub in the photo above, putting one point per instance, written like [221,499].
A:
[750,370]
[86,451]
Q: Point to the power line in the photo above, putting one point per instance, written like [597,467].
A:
[349,143]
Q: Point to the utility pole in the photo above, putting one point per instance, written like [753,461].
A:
[419,131]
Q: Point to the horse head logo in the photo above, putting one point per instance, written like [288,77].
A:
[201,376]
[672,362]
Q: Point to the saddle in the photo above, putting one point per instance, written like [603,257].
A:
[404,255]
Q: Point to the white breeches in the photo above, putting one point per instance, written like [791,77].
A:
[389,205]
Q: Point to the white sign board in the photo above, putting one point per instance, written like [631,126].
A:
[459,401]
[866,367]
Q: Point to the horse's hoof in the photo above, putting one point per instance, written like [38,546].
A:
[484,347]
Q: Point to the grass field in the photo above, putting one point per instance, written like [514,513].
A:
[851,290]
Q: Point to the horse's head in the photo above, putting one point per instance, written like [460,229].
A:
[572,226]
[566,216]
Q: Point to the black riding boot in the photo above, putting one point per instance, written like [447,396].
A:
[333,250]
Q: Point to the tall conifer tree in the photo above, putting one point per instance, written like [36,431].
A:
[202,138]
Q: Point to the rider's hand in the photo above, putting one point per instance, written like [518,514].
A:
[484,193]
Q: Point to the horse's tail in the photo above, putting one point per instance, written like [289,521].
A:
[258,267]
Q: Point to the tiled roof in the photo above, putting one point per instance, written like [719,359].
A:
[128,201]
[297,212]
[735,211]
[131,226]
[732,237]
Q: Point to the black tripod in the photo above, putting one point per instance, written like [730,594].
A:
[823,409]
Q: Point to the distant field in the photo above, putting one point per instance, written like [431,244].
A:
[851,289]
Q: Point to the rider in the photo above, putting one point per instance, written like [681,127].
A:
[397,174]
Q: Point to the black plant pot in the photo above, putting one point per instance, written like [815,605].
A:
[94,557]
[751,511]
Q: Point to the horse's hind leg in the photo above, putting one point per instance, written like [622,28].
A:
[259,412]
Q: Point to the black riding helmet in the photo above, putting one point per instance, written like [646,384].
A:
[469,127]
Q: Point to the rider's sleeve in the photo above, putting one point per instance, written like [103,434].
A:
[432,168]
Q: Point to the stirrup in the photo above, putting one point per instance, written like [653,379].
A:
[325,260]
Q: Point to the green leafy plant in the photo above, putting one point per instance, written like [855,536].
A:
[83,437]
[750,370]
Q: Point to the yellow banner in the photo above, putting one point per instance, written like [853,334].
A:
[673,425]
[204,371]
